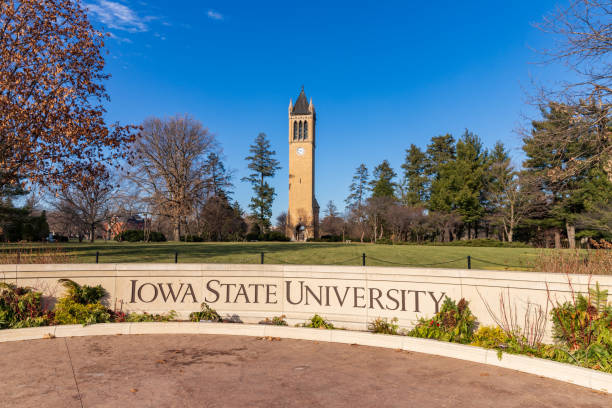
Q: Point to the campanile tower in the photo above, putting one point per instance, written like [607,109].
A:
[303,214]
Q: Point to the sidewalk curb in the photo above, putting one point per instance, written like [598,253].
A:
[584,377]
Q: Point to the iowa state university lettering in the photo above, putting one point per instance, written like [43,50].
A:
[294,292]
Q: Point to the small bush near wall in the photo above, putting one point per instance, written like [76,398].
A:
[318,322]
[67,311]
[490,337]
[275,321]
[82,304]
[583,329]
[21,307]
[454,322]
[384,326]
[206,313]
[146,317]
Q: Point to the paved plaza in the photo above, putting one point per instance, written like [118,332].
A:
[235,371]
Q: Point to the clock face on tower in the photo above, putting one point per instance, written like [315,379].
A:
[300,151]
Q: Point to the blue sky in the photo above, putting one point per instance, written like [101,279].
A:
[382,75]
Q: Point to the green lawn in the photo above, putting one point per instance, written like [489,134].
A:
[296,253]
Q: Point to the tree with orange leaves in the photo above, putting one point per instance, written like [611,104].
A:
[52,127]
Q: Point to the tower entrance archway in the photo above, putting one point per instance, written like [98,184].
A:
[300,232]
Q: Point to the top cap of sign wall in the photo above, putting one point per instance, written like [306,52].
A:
[301,105]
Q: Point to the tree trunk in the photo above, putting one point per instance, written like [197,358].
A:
[557,239]
[571,235]
[509,234]
[177,230]
[92,233]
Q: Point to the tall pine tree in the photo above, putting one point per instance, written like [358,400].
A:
[358,188]
[382,183]
[263,165]
[415,176]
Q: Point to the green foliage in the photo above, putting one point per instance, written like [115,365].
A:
[415,175]
[558,142]
[205,313]
[382,183]
[271,236]
[83,294]
[318,322]
[275,321]
[68,311]
[146,317]
[384,326]
[384,241]
[358,188]
[21,307]
[454,322]
[489,337]
[18,224]
[138,236]
[262,164]
[583,328]
[274,236]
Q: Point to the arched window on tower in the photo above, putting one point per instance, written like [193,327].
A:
[305,130]
[295,130]
[300,137]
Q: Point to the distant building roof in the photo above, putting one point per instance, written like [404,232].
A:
[301,105]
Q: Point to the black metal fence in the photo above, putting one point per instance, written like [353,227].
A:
[362,260]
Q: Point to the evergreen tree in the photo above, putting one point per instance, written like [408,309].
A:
[548,153]
[415,176]
[382,183]
[217,180]
[458,178]
[440,151]
[469,175]
[358,188]
[262,164]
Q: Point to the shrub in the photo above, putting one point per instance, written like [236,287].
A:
[146,317]
[490,337]
[139,236]
[330,238]
[318,322]
[252,236]
[275,321]
[192,238]
[155,236]
[83,294]
[275,236]
[582,329]
[21,307]
[384,241]
[67,311]
[130,236]
[454,322]
[381,325]
[205,313]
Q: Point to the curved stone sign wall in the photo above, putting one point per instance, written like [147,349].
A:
[348,296]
